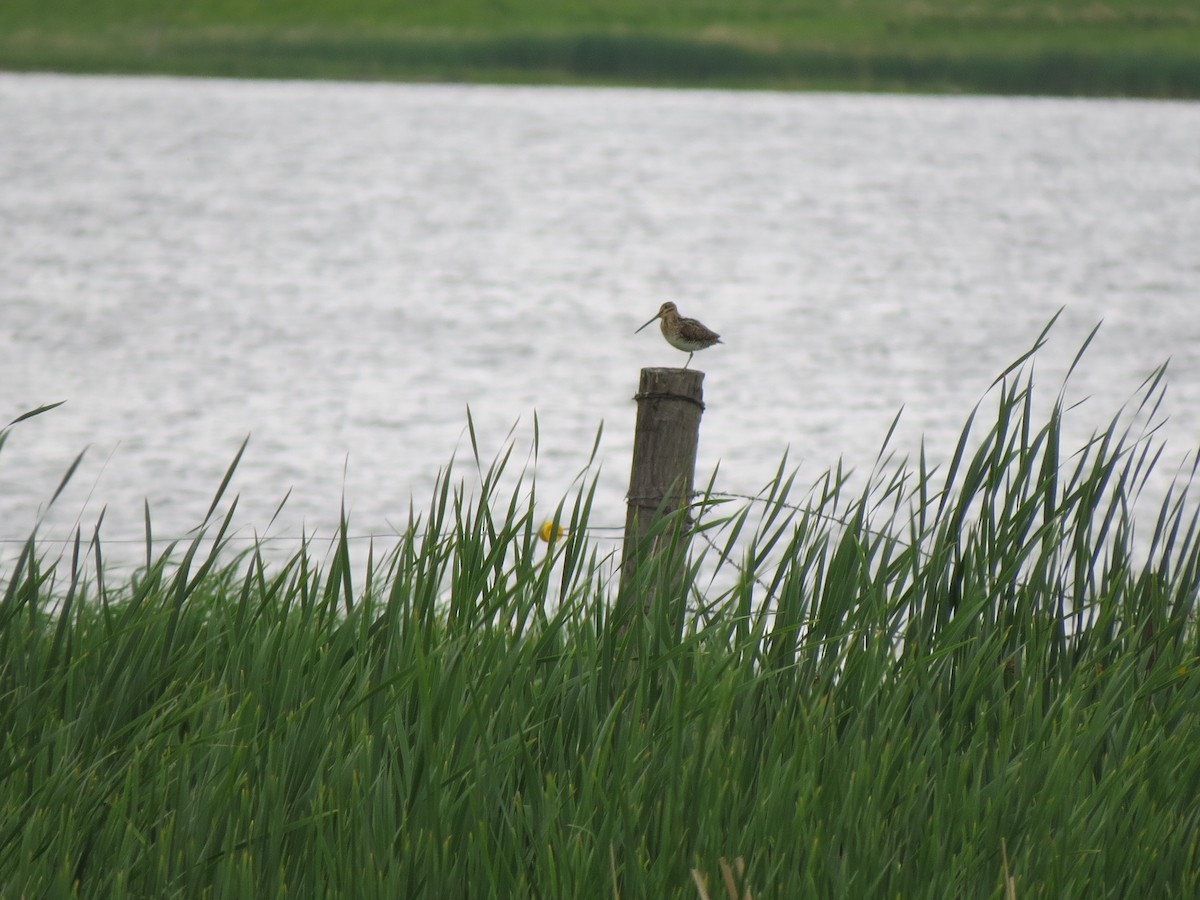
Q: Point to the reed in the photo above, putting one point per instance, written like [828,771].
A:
[621,58]
[1077,47]
[963,680]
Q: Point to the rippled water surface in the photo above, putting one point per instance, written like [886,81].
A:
[340,270]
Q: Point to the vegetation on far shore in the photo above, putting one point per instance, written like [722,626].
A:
[1148,48]
[979,680]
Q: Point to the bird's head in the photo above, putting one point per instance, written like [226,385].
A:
[665,311]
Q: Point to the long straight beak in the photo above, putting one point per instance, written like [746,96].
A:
[646,324]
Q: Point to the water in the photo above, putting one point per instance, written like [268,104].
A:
[340,270]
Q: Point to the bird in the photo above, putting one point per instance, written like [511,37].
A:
[684,334]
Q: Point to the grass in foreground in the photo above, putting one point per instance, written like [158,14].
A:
[1123,47]
[958,683]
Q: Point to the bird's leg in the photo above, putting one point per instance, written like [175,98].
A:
[689,359]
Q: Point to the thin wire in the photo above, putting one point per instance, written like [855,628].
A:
[594,530]
[264,539]
[590,529]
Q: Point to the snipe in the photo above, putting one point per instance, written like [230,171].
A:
[682,333]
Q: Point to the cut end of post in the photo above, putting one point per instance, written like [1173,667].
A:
[666,385]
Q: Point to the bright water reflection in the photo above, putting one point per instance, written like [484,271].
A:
[340,270]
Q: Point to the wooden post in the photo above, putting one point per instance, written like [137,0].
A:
[665,438]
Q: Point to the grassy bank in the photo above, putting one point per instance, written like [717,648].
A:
[956,683]
[1075,47]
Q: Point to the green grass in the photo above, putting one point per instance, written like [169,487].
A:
[1074,47]
[951,680]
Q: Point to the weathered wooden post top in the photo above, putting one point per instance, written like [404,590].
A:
[665,439]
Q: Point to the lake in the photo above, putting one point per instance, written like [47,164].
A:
[339,271]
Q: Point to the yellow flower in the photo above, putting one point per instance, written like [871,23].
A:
[550,531]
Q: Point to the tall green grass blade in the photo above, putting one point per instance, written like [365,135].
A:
[1079,354]
[62,484]
[149,534]
[237,458]
[1037,345]
[29,414]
